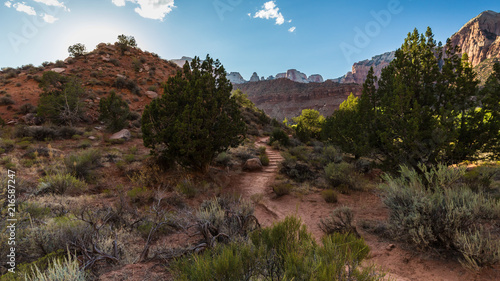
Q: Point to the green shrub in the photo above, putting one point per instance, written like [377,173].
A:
[223,159]
[82,165]
[297,170]
[114,112]
[27,108]
[343,174]
[24,144]
[187,187]
[60,184]
[279,136]
[140,194]
[282,188]
[339,221]
[264,159]
[60,100]
[6,101]
[434,211]
[330,154]
[84,144]
[329,195]
[68,269]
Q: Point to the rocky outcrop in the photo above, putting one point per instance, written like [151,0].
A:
[480,37]
[252,164]
[282,98]
[255,77]
[236,78]
[360,69]
[296,76]
[121,135]
[180,62]
[315,78]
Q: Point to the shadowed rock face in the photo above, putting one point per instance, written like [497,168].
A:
[480,37]
[282,98]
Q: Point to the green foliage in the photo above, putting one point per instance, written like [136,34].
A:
[223,159]
[309,125]
[329,195]
[344,127]
[426,109]
[282,188]
[343,175]
[296,169]
[77,50]
[279,136]
[431,209]
[264,159]
[60,99]
[68,269]
[83,164]
[114,112]
[125,42]
[6,101]
[196,118]
[285,251]
[60,184]
[339,221]
[187,187]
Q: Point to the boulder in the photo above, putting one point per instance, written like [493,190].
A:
[151,94]
[253,164]
[58,70]
[121,135]
[32,119]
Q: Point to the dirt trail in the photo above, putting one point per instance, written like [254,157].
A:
[401,264]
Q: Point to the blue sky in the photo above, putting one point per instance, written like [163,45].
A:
[268,37]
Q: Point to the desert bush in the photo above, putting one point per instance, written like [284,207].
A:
[187,187]
[136,65]
[478,248]
[282,188]
[114,112]
[82,165]
[77,50]
[244,152]
[331,154]
[6,101]
[284,251]
[339,221]
[264,159]
[329,195]
[279,136]
[480,178]
[60,100]
[225,219]
[59,63]
[60,184]
[223,159]
[297,170]
[27,108]
[140,195]
[343,174]
[431,210]
[67,269]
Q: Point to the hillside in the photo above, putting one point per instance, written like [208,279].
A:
[136,75]
[284,98]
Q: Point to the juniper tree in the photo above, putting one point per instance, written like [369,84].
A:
[196,118]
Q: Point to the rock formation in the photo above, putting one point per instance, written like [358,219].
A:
[236,78]
[360,69]
[255,77]
[315,78]
[480,37]
[180,62]
[282,98]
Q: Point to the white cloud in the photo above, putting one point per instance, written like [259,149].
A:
[154,9]
[150,9]
[292,29]
[119,3]
[22,7]
[8,4]
[270,11]
[49,19]
[54,3]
